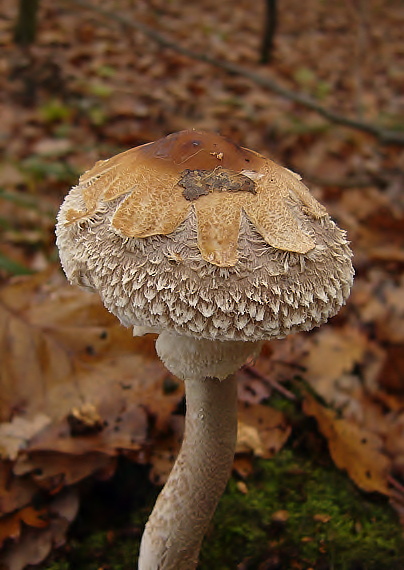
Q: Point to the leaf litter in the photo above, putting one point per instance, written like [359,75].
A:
[77,390]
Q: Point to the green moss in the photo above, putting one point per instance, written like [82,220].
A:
[329,523]
[58,565]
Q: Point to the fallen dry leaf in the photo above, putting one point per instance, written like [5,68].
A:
[280,516]
[339,362]
[15,493]
[36,543]
[52,471]
[262,430]
[243,465]
[242,487]
[15,435]
[352,448]
[60,346]
[74,350]
[10,525]
[395,442]
[77,391]
[248,439]
[333,353]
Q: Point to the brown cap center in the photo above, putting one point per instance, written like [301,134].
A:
[199,150]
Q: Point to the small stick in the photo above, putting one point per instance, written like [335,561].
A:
[273,383]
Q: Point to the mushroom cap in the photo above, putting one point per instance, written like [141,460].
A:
[198,236]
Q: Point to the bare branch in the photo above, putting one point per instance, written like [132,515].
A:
[385,136]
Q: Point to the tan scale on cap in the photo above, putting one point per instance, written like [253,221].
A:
[196,235]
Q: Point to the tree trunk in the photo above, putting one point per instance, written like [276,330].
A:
[25,28]
[270,25]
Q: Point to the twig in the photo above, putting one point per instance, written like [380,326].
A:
[396,484]
[273,383]
[385,136]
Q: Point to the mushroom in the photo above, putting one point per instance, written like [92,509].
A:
[215,248]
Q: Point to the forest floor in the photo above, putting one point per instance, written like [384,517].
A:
[318,479]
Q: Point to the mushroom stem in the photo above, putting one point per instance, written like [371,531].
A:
[174,532]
